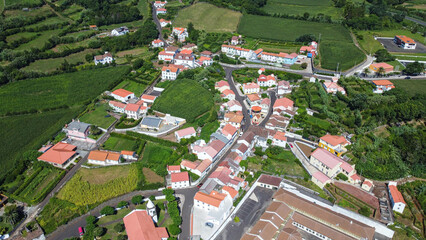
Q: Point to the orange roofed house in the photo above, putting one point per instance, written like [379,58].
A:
[103,157]
[59,155]
[334,144]
[397,201]
[404,42]
[140,226]
[375,67]
[122,95]
[382,86]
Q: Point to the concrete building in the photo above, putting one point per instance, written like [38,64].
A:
[334,144]
[397,200]
[105,158]
[180,180]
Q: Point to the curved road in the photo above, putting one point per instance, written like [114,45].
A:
[157,22]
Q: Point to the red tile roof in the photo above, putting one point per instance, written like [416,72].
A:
[140,226]
[382,83]
[396,194]
[148,97]
[117,104]
[189,164]
[132,107]
[213,199]
[231,191]
[270,180]
[122,92]
[180,177]
[173,167]
[283,102]
[356,177]
[221,83]
[334,140]
[320,177]
[405,39]
[103,155]
[59,153]
[229,130]
[324,156]
[185,132]
[280,136]
[127,153]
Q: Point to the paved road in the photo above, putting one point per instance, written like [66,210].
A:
[415,20]
[271,110]
[157,22]
[249,213]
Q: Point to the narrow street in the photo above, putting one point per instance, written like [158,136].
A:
[157,22]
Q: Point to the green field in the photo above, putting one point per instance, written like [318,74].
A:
[39,41]
[63,89]
[156,157]
[52,64]
[184,98]
[119,144]
[23,2]
[26,132]
[299,7]
[335,38]
[208,17]
[98,116]
[412,87]
[17,36]
[132,86]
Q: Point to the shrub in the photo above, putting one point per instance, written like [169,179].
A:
[152,198]
[108,210]
[342,176]
[121,237]
[122,204]
[99,231]
[137,199]
[119,227]
[91,219]
[364,211]
[174,230]
[236,219]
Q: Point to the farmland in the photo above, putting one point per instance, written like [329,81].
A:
[299,7]
[333,36]
[412,87]
[118,144]
[98,116]
[184,98]
[64,89]
[207,17]
[156,157]
[132,86]
[22,2]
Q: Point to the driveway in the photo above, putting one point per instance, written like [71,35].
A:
[249,213]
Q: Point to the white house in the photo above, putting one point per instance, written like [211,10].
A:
[267,81]
[159,4]
[184,59]
[333,87]
[106,58]
[103,158]
[181,33]
[120,31]
[228,94]
[382,86]
[279,139]
[171,72]
[122,95]
[164,56]
[117,106]
[397,201]
[134,110]
[164,22]
[185,133]
[283,87]
[148,99]
[129,155]
[235,40]
[229,131]
[232,106]
[234,51]
[161,11]
[157,43]
[180,180]
[205,61]
[249,88]
[283,104]
[173,169]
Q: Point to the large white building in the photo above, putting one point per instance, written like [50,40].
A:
[122,95]
[249,88]
[120,31]
[171,72]
[397,201]
[185,60]
[180,180]
[185,133]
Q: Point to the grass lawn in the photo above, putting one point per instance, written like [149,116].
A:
[299,7]
[336,43]
[133,52]
[98,116]
[184,98]
[411,86]
[208,129]
[151,176]
[143,7]
[397,66]
[119,215]
[47,21]
[52,64]
[156,156]
[208,17]
[39,41]
[119,144]
[62,89]
[132,86]
[20,35]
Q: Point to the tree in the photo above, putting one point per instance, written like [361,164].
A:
[95,130]
[122,237]
[152,198]
[90,219]
[108,210]
[304,65]
[414,68]
[122,204]
[381,71]
[138,63]
[306,38]
[12,214]
[382,55]
[306,15]
[99,231]
[170,198]
[137,199]
[366,71]
[119,227]
[174,230]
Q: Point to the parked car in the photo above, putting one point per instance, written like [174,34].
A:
[290,145]
[407,77]
[209,224]
[199,185]
[81,231]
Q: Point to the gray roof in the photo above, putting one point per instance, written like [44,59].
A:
[220,137]
[152,121]
[79,126]
[208,186]
[122,29]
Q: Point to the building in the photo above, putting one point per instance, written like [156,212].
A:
[184,59]
[382,86]
[209,151]
[148,99]
[267,81]
[205,61]
[268,181]
[129,155]
[185,133]
[249,88]
[171,72]
[122,95]
[159,4]
[119,31]
[376,67]
[103,158]
[236,40]
[180,180]
[283,104]
[106,58]
[228,94]
[232,106]
[173,169]
[281,58]
[206,54]
[367,185]
[234,51]
[161,11]
[333,87]
[164,56]
[279,139]
[283,87]
[253,100]
[235,119]
[140,226]
[395,196]
[221,85]
[77,130]
[330,164]
[164,22]
[59,155]
[117,106]
[404,42]
[181,33]
[135,111]
[320,179]
[231,192]
[277,123]
[151,123]
[157,43]
[334,144]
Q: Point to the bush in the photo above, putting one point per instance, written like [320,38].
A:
[364,211]
[342,177]
[99,231]
[121,237]
[122,204]
[174,230]
[91,219]
[152,198]
[137,199]
[236,219]
[108,210]
[119,227]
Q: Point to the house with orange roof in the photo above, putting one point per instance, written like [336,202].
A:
[367,185]
[310,51]
[122,95]
[185,133]
[179,180]
[173,169]
[148,99]
[404,42]
[231,106]
[159,4]
[164,23]
[279,139]
[221,85]
[397,200]
[231,192]
[267,81]
[375,67]
[253,99]
[355,179]
[188,165]
[382,86]
[117,106]
[205,61]
[93,27]
[59,155]
[157,43]
[333,87]
[129,155]
[135,110]
[103,59]
[105,158]
[187,60]
[228,94]
[140,226]
[161,11]
[171,72]
[249,88]
[334,144]
[236,40]
[229,131]
[190,46]
[181,33]
[283,104]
